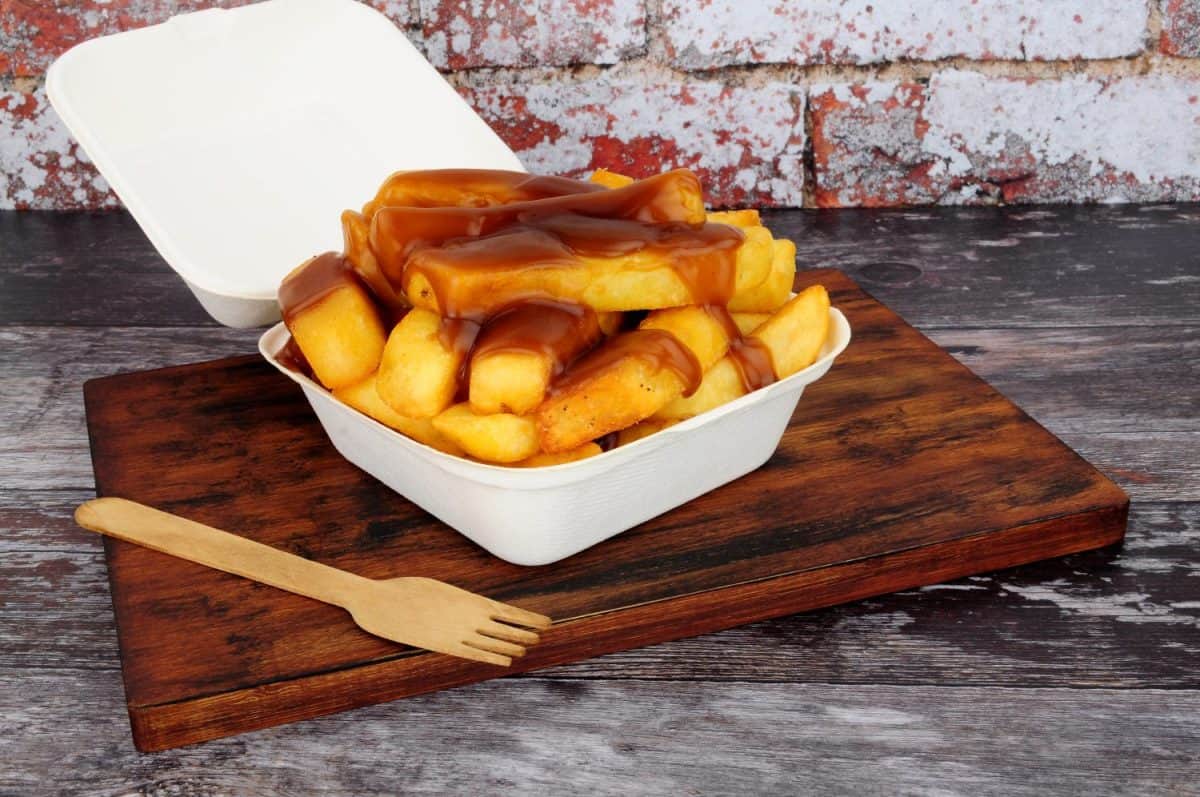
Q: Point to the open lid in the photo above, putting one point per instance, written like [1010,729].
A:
[236,137]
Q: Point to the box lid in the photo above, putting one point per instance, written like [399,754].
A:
[236,137]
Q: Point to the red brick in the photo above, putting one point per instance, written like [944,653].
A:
[461,34]
[41,166]
[714,33]
[1180,28]
[746,143]
[35,32]
[970,139]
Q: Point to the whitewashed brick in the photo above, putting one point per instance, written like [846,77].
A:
[461,34]
[969,138]
[41,166]
[714,33]
[747,144]
[1180,28]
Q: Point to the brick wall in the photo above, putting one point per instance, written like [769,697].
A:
[776,102]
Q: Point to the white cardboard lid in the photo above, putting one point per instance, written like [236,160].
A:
[236,137]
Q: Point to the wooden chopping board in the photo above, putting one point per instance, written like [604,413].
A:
[900,468]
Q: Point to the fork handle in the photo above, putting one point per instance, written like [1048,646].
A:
[187,539]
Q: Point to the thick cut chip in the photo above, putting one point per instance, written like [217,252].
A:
[617,397]
[721,384]
[356,230]
[748,322]
[631,434]
[364,397]
[333,320]
[574,455]
[793,335]
[500,437]
[694,327]
[521,349]
[398,231]
[509,381]
[610,179]
[611,392]
[468,188]
[735,218]
[418,375]
[770,294]
[470,277]
[610,323]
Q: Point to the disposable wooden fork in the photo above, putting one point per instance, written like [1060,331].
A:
[421,612]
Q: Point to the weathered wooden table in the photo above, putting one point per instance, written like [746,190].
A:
[1080,675]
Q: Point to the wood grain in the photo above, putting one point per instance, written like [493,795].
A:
[1080,266]
[926,474]
[938,267]
[1111,397]
[1109,617]
[88,269]
[603,738]
[1132,610]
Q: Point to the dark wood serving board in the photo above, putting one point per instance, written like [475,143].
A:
[900,468]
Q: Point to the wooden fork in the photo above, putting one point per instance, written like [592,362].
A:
[420,612]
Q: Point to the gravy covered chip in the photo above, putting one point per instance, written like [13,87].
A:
[792,339]
[632,377]
[419,370]
[520,350]
[770,294]
[333,320]
[532,321]
[608,265]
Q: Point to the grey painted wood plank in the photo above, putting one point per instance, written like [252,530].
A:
[1041,267]
[67,736]
[1102,390]
[1149,466]
[43,442]
[95,269]
[1090,380]
[1127,617]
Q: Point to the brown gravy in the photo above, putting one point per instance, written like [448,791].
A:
[473,188]
[398,231]
[750,356]
[704,258]
[558,330]
[659,348]
[440,224]
[291,358]
[312,282]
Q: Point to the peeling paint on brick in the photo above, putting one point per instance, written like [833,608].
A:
[746,143]
[1180,28]
[704,35]
[867,145]
[968,138]
[398,11]
[1125,131]
[461,34]
[35,32]
[41,166]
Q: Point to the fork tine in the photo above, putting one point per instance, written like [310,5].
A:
[507,632]
[495,646]
[465,651]
[511,614]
